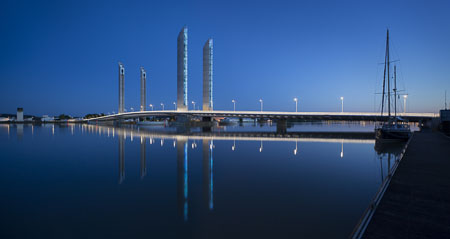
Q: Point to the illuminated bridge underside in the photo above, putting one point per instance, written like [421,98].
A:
[273,115]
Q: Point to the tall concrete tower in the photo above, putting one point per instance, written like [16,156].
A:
[182,69]
[121,88]
[208,75]
[143,88]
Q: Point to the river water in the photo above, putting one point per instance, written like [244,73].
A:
[92,181]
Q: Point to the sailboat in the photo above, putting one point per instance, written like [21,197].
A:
[393,128]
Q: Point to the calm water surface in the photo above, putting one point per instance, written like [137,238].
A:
[88,181]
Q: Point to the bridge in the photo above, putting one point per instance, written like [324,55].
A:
[281,118]
[272,115]
[183,114]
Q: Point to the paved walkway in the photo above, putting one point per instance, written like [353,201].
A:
[416,203]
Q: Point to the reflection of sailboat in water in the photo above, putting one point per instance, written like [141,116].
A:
[393,129]
[391,151]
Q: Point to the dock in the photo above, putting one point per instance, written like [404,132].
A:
[416,203]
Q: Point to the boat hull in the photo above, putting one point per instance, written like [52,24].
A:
[392,135]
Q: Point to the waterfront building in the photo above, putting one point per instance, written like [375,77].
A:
[19,115]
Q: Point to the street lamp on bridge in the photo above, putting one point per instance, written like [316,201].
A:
[261,101]
[151,106]
[132,109]
[174,106]
[193,102]
[296,100]
[342,104]
[162,106]
[234,105]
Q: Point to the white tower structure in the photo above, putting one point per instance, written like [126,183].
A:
[121,88]
[182,70]
[143,88]
[208,75]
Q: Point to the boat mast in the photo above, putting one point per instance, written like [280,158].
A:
[388,75]
[384,82]
[395,91]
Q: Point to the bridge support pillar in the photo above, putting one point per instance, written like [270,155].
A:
[207,124]
[281,126]
[182,119]
[206,119]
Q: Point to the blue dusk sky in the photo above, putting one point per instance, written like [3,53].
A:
[61,56]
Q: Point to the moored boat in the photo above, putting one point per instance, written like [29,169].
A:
[393,128]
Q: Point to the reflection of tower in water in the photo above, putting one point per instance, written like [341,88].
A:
[143,153]
[20,131]
[121,159]
[182,177]
[208,186]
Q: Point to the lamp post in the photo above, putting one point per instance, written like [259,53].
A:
[234,105]
[342,104]
[174,106]
[404,103]
[162,106]
[132,109]
[261,101]
[193,103]
[151,106]
[296,100]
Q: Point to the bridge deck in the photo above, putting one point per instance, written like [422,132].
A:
[371,116]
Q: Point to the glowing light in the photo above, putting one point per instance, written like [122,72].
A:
[296,101]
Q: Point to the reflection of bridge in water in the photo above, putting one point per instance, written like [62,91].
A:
[181,143]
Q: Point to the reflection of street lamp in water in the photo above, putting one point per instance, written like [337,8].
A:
[295,150]
[261,147]
[234,145]
[342,148]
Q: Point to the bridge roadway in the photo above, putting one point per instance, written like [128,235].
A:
[274,115]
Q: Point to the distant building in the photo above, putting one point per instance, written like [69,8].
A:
[46,118]
[4,119]
[182,70]
[445,120]
[208,75]
[19,117]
